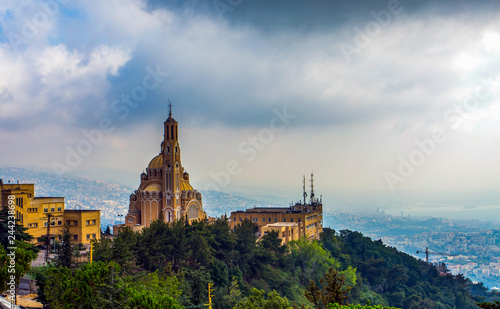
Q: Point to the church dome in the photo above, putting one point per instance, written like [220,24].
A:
[157,162]
[153,188]
[185,186]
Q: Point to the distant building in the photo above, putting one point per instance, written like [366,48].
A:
[164,188]
[84,225]
[34,213]
[287,231]
[302,220]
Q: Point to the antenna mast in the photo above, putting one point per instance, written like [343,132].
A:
[304,188]
[312,188]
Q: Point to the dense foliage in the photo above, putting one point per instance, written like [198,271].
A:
[15,250]
[389,277]
[344,267]
[98,285]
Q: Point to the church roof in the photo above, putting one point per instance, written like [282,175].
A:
[170,119]
[185,186]
[153,188]
[157,162]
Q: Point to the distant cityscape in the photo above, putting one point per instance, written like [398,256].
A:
[467,247]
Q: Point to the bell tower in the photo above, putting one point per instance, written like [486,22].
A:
[172,167]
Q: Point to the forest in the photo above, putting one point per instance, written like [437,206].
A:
[171,266]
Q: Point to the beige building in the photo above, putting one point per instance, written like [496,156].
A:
[164,187]
[308,218]
[35,213]
[286,231]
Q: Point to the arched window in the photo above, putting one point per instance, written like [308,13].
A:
[193,212]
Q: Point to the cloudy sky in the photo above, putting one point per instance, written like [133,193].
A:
[382,96]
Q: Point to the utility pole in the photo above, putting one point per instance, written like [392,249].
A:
[210,290]
[91,251]
[47,241]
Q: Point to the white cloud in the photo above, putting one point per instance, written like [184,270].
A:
[367,112]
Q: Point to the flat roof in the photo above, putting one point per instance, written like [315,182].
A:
[81,210]
[283,224]
[42,197]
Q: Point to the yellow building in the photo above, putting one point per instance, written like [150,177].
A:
[307,216]
[164,187]
[287,231]
[84,225]
[35,213]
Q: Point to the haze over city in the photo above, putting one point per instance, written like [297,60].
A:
[373,96]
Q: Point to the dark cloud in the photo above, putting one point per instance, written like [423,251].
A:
[314,15]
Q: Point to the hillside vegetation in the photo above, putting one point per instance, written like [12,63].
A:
[173,264]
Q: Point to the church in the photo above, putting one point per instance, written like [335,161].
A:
[165,188]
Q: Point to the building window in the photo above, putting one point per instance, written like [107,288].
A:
[19,202]
[59,209]
[90,236]
[299,219]
[45,210]
[269,220]
[291,219]
[52,210]
[275,219]
[263,219]
[45,224]
[130,220]
[59,222]
[75,237]
[240,219]
[284,219]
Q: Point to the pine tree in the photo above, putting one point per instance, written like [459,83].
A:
[333,291]
[64,257]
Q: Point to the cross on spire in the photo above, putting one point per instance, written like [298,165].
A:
[170,108]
